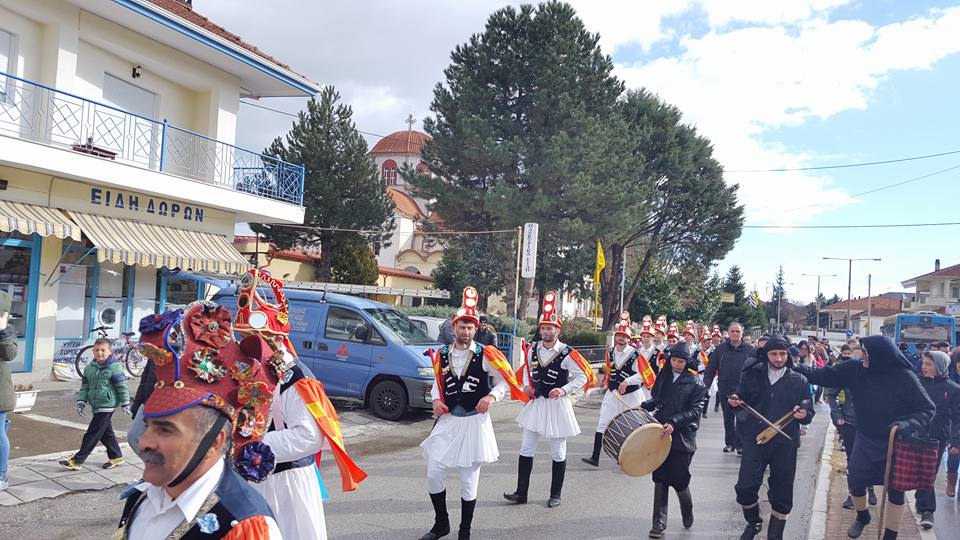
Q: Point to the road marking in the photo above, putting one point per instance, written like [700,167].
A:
[65,423]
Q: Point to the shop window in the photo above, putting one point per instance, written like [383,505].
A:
[177,292]
[18,276]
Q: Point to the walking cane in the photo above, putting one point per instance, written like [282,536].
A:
[886,480]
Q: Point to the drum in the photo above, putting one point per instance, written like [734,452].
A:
[633,440]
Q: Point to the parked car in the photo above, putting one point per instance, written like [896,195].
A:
[358,349]
[429,325]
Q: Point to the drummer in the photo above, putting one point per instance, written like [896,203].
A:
[552,372]
[770,386]
[677,399]
[627,371]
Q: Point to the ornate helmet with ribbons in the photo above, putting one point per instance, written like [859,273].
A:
[691,328]
[548,314]
[623,325]
[468,309]
[704,333]
[661,326]
[674,330]
[647,326]
[716,333]
[257,315]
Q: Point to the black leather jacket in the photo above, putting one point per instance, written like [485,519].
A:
[679,403]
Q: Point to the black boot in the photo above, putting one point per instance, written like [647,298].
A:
[661,494]
[889,535]
[466,518]
[686,507]
[523,481]
[441,521]
[775,529]
[848,504]
[871,496]
[859,524]
[754,522]
[594,458]
[556,483]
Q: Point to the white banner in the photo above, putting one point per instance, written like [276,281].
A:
[528,263]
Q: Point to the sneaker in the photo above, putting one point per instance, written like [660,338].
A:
[740,452]
[111,463]
[4,484]
[70,464]
[871,496]
[926,520]
[848,504]
[727,449]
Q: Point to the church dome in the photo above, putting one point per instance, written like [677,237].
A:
[407,142]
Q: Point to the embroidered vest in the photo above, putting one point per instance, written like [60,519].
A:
[546,378]
[232,501]
[618,375]
[466,390]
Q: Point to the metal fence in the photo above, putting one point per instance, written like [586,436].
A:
[39,113]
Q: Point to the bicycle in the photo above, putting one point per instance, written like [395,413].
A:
[133,361]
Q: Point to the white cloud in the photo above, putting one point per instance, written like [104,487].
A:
[628,22]
[736,85]
[721,12]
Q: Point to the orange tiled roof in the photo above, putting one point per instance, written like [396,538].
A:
[405,204]
[861,304]
[401,142]
[396,272]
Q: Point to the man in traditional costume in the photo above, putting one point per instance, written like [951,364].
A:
[208,394]
[462,438]
[689,336]
[551,373]
[301,423]
[702,358]
[626,378]
[660,336]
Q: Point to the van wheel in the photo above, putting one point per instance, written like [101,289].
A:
[388,400]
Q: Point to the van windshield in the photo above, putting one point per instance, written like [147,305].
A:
[397,324]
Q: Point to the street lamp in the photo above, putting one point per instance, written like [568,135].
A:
[773,286]
[849,280]
[817,322]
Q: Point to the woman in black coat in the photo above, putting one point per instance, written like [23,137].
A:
[678,397]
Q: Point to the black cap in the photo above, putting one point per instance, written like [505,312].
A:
[680,350]
[776,343]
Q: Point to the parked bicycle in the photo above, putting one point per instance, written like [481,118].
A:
[133,361]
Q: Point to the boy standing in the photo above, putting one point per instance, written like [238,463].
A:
[104,387]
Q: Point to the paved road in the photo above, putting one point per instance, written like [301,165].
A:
[393,504]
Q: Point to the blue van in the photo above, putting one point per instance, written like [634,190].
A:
[358,349]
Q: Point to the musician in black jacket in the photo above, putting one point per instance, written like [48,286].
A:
[774,390]
[678,397]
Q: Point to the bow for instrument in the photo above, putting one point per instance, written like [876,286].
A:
[768,434]
[762,418]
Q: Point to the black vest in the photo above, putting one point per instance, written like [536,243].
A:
[618,375]
[469,389]
[232,501]
[546,378]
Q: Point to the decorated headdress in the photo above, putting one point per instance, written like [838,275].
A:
[548,315]
[661,326]
[256,315]
[647,326]
[623,325]
[704,333]
[468,309]
[674,330]
[198,363]
[716,332]
[691,329]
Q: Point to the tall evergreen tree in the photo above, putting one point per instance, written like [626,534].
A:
[740,310]
[342,188]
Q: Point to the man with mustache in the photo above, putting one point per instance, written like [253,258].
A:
[204,423]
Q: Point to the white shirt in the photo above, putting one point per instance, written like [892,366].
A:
[619,358]
[159,515]
[676,375]
[577,378]
[774,375]
[459,359]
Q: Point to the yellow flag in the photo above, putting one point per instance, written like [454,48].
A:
[601,262]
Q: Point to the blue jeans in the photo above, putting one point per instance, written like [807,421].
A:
[4,445]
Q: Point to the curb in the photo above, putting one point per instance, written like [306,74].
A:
[818,519]
[911,501]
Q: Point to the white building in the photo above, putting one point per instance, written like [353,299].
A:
[118,173]
[937,291]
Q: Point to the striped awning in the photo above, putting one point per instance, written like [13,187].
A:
[31,218]
[146,244]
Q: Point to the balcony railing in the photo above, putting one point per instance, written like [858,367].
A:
[39,113]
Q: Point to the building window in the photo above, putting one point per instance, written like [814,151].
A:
[389,172]
[955,293]
[412,269]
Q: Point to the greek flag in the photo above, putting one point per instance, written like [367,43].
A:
[754,300]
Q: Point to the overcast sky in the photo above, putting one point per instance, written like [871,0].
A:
[797,83]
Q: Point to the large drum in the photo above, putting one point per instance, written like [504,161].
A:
[633,439]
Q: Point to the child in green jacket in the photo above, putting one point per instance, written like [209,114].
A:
[104,387]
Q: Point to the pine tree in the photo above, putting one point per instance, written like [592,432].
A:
[342,188]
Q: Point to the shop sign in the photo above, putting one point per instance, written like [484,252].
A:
[135,202]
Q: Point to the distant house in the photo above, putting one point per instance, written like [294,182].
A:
[937,291]
[858,308]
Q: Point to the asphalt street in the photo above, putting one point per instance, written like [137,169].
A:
[393,503]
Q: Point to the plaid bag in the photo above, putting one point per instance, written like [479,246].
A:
[914,463]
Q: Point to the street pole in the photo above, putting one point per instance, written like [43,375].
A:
[817,299]
[849,282]
[623,275]
[516,283]
[869,303]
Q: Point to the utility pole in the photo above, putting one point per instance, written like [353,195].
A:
[869,303]
[623,275]
[817,299]
[849,281]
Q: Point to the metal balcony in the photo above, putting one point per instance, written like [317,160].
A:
[39,113]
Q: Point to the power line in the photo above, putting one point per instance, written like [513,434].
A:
[381,231]
[869,226]
[845,166]
[278,111]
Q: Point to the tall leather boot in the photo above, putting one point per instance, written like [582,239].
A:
[441,521]
[686,507]
[951,484]
[661,494]
[524,468]
[556,483]
[466,518]
[775,529]
[754,522]
[594,458]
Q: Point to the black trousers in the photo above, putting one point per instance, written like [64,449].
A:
[730,435]
[675,471]
[782,460]
[99,430]
[848,434]
[927,498]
